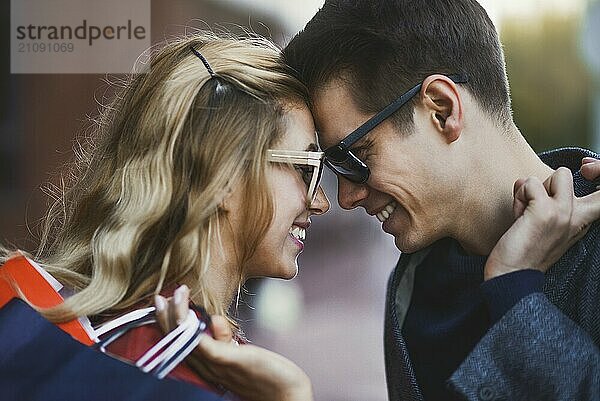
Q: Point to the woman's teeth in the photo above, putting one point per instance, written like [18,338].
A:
[298,232]
[385,213]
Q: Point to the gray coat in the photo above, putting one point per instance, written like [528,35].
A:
[545,348]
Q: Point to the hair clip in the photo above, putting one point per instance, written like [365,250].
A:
[204,61]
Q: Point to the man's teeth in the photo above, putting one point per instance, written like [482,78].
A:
[298,232]
[385,213]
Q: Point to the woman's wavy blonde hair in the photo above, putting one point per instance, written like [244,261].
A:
[142,207]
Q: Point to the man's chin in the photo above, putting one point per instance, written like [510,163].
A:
[407,245]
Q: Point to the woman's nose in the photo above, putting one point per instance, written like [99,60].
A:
[321,203]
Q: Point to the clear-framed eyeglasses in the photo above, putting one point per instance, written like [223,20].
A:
[308,163]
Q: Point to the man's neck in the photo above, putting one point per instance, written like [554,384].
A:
[489,193]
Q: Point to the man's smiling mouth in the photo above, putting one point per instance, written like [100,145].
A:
[387,211]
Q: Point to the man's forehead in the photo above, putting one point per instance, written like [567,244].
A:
[335,113]
[326,141]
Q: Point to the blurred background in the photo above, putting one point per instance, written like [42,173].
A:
[330,318]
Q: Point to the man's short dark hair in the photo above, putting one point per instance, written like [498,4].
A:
[381,48]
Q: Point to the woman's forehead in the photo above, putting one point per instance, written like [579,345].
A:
[299,130]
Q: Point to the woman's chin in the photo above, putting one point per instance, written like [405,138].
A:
[292,275]
[284,270]
[288,270]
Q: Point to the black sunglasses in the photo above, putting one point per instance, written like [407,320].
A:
[340,158]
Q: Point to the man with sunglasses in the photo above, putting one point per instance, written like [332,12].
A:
[496,295]
[412,107]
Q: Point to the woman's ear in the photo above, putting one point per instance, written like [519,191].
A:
[225,194]
[442,100]
[226,203]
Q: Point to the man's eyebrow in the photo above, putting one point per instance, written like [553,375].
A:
[312,147]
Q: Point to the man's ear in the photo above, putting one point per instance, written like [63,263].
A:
[442,101]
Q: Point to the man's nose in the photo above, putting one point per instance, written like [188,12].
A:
[321,203]
[350,194]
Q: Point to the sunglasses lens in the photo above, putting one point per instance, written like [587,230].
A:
[344,163]
[337,154]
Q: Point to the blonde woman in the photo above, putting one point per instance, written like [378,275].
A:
[202,173]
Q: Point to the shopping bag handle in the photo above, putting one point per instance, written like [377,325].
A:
[165,355]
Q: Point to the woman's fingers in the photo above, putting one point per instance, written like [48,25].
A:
[221,329]
[207,358]
[532,189]
[180,305]
[518,204]
[162,315]
[543,227]
[588,209]
[171,312]
[218,352]
[560,185]
[590,168]
[254,373]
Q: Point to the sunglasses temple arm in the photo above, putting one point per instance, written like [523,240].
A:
[392,108]
[380,117]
